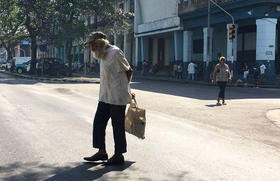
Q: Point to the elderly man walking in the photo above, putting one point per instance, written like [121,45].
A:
[114,94]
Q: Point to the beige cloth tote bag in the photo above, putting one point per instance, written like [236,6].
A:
[135,120]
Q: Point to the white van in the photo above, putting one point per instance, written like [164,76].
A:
[21,60]
[20,64]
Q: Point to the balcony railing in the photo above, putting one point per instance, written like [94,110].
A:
[192,5]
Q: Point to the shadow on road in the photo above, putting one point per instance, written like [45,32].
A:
[75,171]
[13,80]
[203,92]
[213,105]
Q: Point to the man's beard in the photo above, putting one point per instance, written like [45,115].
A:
[100,53]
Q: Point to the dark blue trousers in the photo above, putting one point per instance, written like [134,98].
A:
[103,114]
[222,85]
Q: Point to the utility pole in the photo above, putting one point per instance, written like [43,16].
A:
[208,43]
[86,56]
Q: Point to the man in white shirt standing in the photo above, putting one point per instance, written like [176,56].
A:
[191,71]
[262,72]
[114,94]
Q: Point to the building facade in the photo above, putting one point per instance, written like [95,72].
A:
[175,31]
[256,40]
[125,39]
[158,34]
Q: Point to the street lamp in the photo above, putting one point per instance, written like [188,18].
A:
[208,43]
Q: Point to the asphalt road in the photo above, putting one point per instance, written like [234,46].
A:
[45,131]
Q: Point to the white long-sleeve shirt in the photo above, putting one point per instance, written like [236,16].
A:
[191,68]
[114,85]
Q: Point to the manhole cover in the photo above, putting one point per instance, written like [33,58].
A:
[274,116]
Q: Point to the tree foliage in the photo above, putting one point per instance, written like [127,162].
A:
[68,21]
[71,16]
[108,17]
[38,20]
[12,30]
[58,22]
[70,25]
[38,16]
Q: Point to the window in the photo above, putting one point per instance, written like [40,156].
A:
[198,46]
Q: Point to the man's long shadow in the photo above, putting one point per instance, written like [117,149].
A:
[83,172]
[213,105]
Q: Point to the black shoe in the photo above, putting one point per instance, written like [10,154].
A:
[97,157]
[115,160]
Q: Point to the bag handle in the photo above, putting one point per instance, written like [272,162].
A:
[136,105]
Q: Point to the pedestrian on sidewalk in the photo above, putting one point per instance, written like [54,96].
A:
[191,71]
[175,69]
[180,71]
[38,68]
[256,74]
[145,68]
[262,73]
[114,94]
[221,76]
[245,73]
[93,67]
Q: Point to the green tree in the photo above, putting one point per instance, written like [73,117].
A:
[38,15]
[70,25]
[12,30]
[72,14]
[108,17]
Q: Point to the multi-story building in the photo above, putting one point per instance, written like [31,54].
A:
[125,40]
[169,31]
[158,34]
[257,37]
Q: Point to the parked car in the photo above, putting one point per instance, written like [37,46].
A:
[28,64]
[21,64]
[54,66]
[4,65]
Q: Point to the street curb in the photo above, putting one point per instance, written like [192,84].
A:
[50,79]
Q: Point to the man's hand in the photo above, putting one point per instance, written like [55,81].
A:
[133,95]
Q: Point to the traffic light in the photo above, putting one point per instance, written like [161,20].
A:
[231,32]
